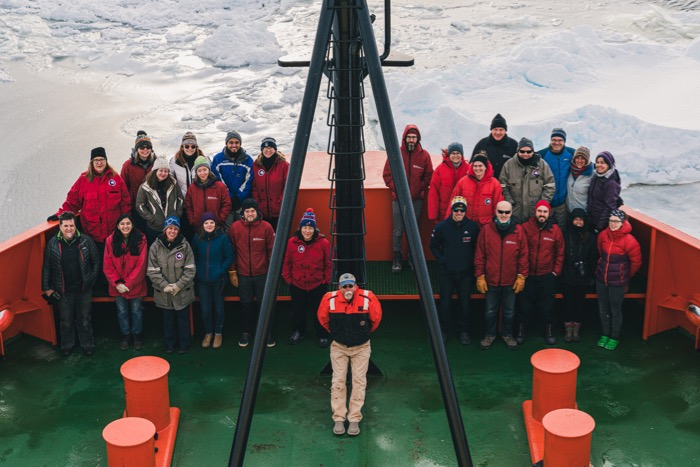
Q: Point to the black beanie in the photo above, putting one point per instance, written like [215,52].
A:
[525,143]
[249,203]
[98,152]
[499,122]
[268,142]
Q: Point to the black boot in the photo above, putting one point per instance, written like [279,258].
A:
[520,335]
[409,260]
[396,263]
[548,336]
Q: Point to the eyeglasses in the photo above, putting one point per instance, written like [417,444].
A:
[348,286]
[99,160]
[521,151]
[611,221]
[502,212]
[189,146]
[145,146]
[459,210]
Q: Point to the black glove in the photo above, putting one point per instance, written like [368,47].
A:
[51,218]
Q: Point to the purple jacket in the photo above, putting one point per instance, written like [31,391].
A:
[602,198]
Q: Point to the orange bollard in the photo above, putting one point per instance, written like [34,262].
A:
[567,438]
[146,389]
[553,381]
[130,441]
[553,387]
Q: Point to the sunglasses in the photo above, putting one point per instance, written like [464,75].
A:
[145,146]
[348,286]
[502,212]
[459,210]
[189,146]
[525,152]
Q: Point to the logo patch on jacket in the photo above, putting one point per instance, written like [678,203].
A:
[179,255]
[301,248]
[261,172]
[511,242]
[212,197]
[112,182]
[487,201]
[536,173]
[362,323]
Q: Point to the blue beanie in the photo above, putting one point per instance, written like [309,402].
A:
[172,220]
[559,132]
[309,218]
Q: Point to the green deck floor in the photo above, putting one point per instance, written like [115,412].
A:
[644,397]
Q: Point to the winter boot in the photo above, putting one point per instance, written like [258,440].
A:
[520,335]
[138,342]
[548,335]
[396,263]
[575,336]
[569,331]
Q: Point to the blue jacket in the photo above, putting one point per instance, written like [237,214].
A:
[561,166]
[213,254]
[453,245]
[236,173]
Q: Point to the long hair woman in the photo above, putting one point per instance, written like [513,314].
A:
[158,197]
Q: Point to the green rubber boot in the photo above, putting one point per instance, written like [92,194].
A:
[612,344]
[603,341]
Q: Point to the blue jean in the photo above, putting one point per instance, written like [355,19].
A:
[449,283]
[75,310]
[177,323]
[211,297]
[123,307]
[504,296]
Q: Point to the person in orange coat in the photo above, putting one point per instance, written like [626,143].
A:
[481,190]
[350,314]
[620,259]
[446,175]
[126,251]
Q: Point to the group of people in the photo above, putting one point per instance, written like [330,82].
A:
[522,222]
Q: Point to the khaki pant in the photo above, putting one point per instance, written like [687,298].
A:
[358,358]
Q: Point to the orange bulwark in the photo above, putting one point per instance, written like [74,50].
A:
[147,396]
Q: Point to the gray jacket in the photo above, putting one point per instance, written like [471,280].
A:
[174,266]
[149,207]
[523,186]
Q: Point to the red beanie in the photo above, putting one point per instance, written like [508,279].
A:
[543,203]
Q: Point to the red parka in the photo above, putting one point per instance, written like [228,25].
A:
[444,179]
[252,243]
[210,197]
[482,195]
[134,174]
[546,247]
[501,259]
[268,186]
[620,256]
[127,269]
[307,265]
[100,203]
[418,166]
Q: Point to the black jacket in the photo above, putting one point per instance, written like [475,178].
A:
[498,151]
[580,256]
[52,272]
[453,245]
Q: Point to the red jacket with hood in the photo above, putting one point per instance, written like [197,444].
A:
[268,186]
[252,244]
[482,195]
[307,265]
[546,247]
[133,173]
[501,257]
[620,256]
[443,182]
[210,197]
[100,203]
[127,269]
[418,165]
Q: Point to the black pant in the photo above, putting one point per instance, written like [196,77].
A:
[538,293]
[574,302]
[302,302]
[448,283]
[250,288]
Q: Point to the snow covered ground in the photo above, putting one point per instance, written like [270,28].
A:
[619,76]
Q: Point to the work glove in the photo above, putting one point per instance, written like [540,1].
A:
[52,218]
[168,288]
[233,278]
[481,285]
[121,288]
[519,283]
[175,289]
